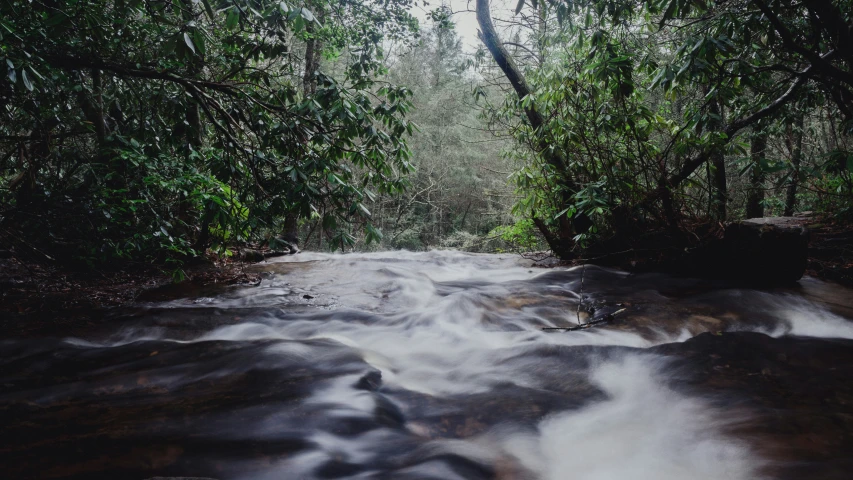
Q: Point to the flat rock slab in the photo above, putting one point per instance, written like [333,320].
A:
[779,222]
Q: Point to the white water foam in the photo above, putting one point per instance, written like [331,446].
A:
[438,323]
[643,431]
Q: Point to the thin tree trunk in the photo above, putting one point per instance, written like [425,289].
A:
[313,51]
[755,192]
[795,148]
[464,216]
[193,139]
[93,109]
[98,114]
[718,170]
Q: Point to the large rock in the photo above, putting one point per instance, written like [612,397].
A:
[771,250]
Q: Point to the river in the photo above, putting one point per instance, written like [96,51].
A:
[439,365]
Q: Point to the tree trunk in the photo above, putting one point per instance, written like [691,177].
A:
[193,135]
[562,242]
[794,143]
[93,109]
[490,37]
[718,170]
[755,192]
[313,51]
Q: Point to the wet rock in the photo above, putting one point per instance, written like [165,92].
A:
[250,255]
[180,478]
[370,381]
[253,255]
[792,396]
[339,469]
[767,250]
[758,252]
[387,413]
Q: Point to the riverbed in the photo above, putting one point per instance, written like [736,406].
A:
[441,365]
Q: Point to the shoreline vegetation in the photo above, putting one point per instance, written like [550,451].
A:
[144,141]
[30,289]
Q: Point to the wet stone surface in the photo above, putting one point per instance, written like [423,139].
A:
[435,366]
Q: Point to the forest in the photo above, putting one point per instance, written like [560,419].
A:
[426,239]
[156,131]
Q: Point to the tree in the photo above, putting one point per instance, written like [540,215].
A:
[634,99]
[559,241]
[458,191]
[194,120]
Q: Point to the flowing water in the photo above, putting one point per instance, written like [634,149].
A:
[436,365]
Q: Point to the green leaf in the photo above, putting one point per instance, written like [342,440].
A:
[56,20]
[561,213]
[198,40]
[26,80]
[36,73]
[6,26]
[670,11]
[298,24]
[207,8]
[189,41]
[363,209]
[330,222]
[232,19]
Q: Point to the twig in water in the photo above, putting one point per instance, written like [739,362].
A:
[580,326]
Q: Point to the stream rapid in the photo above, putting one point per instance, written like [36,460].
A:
[438,365]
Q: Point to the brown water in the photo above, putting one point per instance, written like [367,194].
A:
[435,365]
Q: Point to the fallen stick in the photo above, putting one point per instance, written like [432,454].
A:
[582,326]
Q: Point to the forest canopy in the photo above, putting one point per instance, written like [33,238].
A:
[149,128]
[634,117]
[154,130]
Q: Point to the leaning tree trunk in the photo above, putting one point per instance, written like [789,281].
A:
[755,192]
[561,243]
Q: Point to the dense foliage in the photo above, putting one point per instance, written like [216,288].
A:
[665,113]
[152,130]
[156,128]
[458,194]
